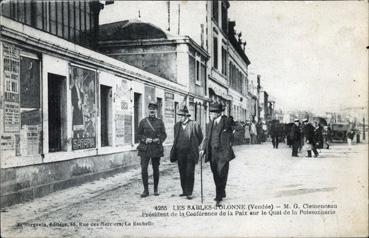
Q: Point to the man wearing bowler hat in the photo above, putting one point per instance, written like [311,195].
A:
[217,148]
[151,133]
[187,139]
[295,135]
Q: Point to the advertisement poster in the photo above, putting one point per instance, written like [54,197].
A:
[83,87]
[169,114]
[11,73]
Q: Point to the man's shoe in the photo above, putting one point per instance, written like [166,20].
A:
[156,193]
[218,203]
[182,195]
[218,199]
[145,194]
[189,197]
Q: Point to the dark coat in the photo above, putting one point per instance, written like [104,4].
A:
[309,133]
[225,141]
[144,131]
[295,133]
[195,139]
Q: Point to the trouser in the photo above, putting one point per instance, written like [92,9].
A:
[275,141]
[155,167]
[220,179]
[186,166]
[295,147]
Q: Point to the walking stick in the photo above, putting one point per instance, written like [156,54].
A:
[202,193]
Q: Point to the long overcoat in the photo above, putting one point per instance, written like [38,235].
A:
[196,138]
[224,149]
[144,131]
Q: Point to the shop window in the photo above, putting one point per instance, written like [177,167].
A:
[106,115]
[137,112]
[57,112]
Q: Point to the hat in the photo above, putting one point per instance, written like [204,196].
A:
[305,120]
[152,105]
[297,120]
[216,107]
[183,111]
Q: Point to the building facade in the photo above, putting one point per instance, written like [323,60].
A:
[208,25]
[68,113]
[178,59]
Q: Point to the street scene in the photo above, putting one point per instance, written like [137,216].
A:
[211,118]
[259,175]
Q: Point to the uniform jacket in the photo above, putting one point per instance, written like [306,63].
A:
[144,131]
[309,133]
[196,137]
[223,145]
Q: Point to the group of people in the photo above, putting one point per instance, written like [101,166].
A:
[306,135]
[189,146]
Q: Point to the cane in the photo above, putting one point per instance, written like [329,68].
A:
[202,192]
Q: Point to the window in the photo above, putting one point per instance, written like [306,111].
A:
[160,107]
[203,77]
[224,18]
[106,115]
[216,11]
[57,112]
[137,112]
[224,61]
[215,52]
[198,72]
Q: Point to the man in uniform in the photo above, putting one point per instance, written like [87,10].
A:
[218,149]
[187,138]
[151,133]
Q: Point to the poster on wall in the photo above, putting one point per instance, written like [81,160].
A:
[83,91]
[169,114]
[123,113]
[11,56]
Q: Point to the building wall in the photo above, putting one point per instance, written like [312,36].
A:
[157,59]
[37,157]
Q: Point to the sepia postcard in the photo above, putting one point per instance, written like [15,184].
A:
[211,118]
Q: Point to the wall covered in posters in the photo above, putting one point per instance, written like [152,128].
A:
[83,96]
[123,113]
[22,124]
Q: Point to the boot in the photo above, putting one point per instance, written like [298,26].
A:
[156,183]
[309,153]
[145,182]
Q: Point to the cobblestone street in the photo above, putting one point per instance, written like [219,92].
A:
[259,175]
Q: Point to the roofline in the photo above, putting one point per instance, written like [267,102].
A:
[171,40]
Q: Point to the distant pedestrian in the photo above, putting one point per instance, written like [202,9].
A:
[217,148]
[274,133]
[309,132]
[253,132]
[151,133]
[187,139]
[350,137]
[247,133]
[295,136]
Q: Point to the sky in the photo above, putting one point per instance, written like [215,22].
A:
[310,55]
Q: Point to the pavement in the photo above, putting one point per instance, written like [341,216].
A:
[269,194]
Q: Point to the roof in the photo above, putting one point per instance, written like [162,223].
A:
[131,30]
